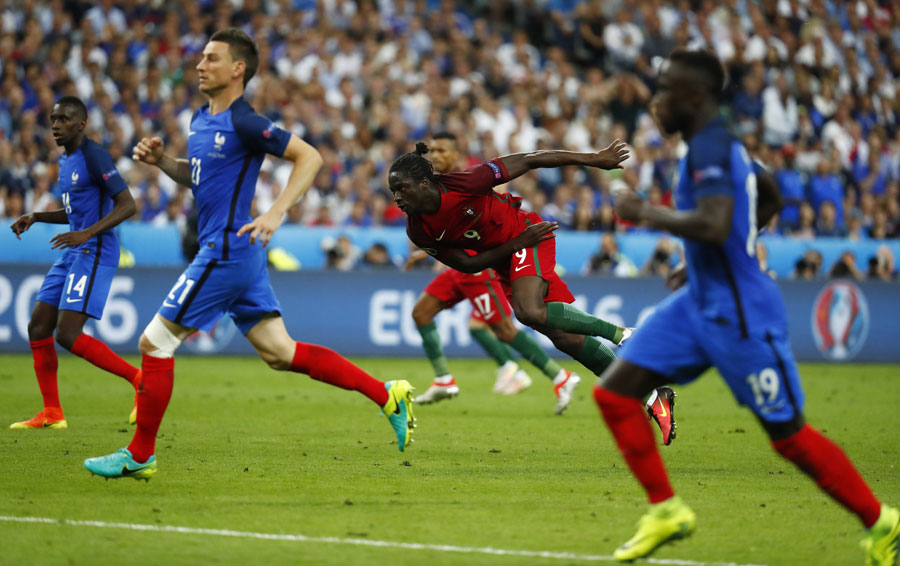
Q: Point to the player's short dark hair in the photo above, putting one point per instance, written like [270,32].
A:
[414,165]
[706,63]
[76,103]
[445,136]
[242,48]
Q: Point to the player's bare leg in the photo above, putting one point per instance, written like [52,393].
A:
[619,396]
[276,347]
[70,335]
[444,386]
[43,350]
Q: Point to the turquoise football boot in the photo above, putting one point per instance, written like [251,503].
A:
[399,411]
[121,464]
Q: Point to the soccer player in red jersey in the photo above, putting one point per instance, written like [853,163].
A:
[491,323]
[451,213]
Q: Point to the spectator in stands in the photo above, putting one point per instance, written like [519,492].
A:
[660,262]
[609,261]
[827,225]
[807,228]
[845,268]
[340,253]
[881,265]
[780,121]
[377,257]
[623,40]
[792,185]
[809,266]
[825,185]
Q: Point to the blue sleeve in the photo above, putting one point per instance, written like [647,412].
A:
[709,165]
[103,171]
[259,134]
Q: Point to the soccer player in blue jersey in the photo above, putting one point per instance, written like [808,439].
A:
[227,143]
[731,316]
[95,200]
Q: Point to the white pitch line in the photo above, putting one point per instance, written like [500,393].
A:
[354,541]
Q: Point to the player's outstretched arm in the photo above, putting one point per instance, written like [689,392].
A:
[611,157]
[123,209]
[24,222]
[461,261]
[307,162]
[152,152]
[709,223]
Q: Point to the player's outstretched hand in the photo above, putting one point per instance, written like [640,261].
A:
[677,277]
[69,239]
[22,224]
[148,150]
[612,156]
[262,228]
[535,234]
[628,205]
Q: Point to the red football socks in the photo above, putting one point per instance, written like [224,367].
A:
[327,365]
[45,366]
[100,355]
[628,423]
[154,393]
[823,461]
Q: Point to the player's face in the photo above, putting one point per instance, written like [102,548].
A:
[217,69]
[408,194]
[443,155]
[670,105]
[65,123]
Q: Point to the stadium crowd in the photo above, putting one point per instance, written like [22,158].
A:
[813,92]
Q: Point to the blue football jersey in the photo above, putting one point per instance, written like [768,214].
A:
[725,280]
[226,152]
[87,181]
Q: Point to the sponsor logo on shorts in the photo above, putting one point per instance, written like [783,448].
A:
[840,320]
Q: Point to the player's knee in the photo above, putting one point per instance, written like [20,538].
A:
[66,336]
[39,330]
[276,361]
[422,314]
[158,341]
[530,314]
[505,330]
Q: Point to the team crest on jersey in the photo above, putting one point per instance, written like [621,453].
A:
[74,177]
[220,141]
[470,212]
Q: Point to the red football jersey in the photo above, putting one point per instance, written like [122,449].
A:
[472,215]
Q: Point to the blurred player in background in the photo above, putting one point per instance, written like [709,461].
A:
[729,315]
[95,201]
[227,143]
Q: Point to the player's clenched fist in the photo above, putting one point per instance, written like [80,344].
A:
[612,156]
[148,150]
[22,224]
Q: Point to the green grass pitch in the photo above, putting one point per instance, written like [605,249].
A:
[245,448]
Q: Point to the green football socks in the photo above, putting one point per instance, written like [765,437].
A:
[431,341]
[526,345]
[492,345]
[594,355]
[564,316]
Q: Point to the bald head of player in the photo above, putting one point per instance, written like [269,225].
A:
[67,121]
[230,59]
[412,183]
[688,90]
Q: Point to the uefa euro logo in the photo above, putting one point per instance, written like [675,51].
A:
[214,341]
[840,320]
